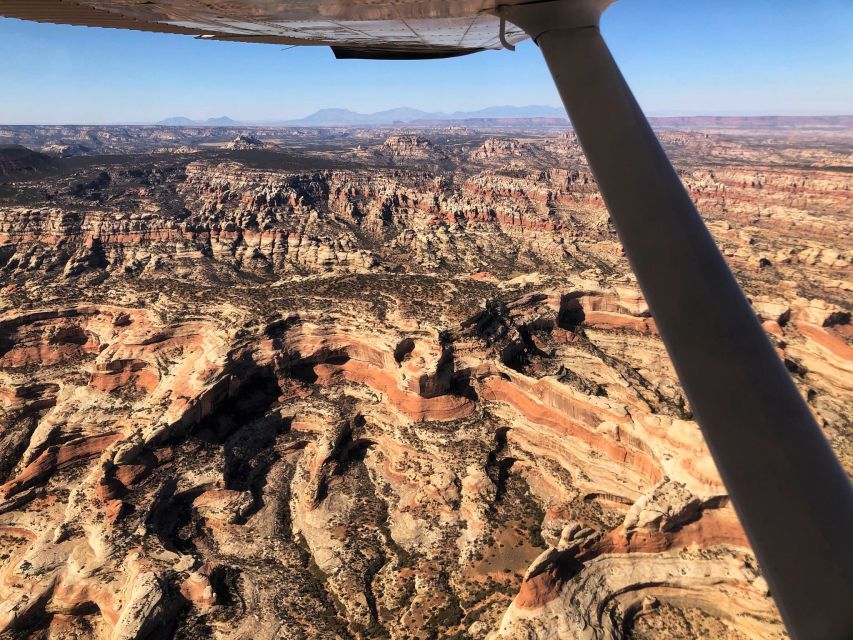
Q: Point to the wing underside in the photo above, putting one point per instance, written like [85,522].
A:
[406,29]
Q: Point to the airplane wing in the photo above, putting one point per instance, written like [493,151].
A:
[404,29]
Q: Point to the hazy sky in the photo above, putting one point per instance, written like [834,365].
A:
[682,57]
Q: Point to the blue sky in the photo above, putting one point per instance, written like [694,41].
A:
[682,57]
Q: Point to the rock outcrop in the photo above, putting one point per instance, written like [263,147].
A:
[247,141]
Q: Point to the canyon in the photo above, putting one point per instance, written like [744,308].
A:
[384,382]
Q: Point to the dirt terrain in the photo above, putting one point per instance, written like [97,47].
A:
[384,383]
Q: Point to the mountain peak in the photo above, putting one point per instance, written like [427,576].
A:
[182,121]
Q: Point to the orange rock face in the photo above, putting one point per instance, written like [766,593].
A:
[413,393]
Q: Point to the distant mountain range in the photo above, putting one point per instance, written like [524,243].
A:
[180,121]
[407,115]
[347,118]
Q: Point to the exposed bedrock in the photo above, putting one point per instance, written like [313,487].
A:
[270,222]
[415,398]
[171,474]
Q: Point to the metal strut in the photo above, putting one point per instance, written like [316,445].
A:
[790,492]
[502,32]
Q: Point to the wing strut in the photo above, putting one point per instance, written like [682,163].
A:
[790,492]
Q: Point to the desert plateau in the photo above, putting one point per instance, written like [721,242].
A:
[385,382]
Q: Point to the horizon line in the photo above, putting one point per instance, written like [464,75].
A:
[292,122]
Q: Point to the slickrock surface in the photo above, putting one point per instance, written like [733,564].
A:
[361,384]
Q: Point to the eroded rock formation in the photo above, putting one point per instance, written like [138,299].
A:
[240,401]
